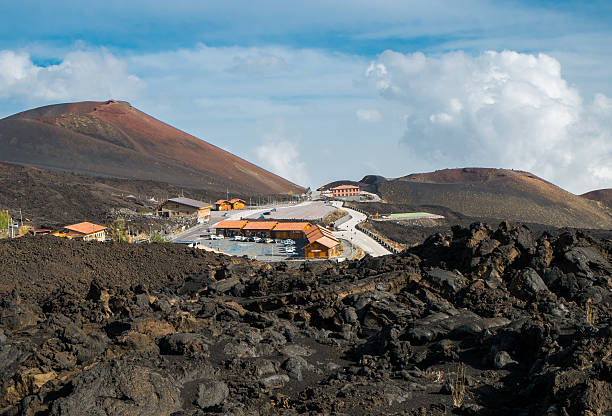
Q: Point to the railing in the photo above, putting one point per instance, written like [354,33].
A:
[372,235]
[378,239]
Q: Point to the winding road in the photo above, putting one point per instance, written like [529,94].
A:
[356,237]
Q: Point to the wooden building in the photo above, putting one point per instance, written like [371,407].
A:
[259,229]
[345,190]
[321,243]
[222,205]
[184,207]
[86,231]
[230,228]
[237,203]
[291,230]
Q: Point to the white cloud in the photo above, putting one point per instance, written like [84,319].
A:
[496,109]
[81,75]
[281,156]
[368,115]
[503,109]
[260,63]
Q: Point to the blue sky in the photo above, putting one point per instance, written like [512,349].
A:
[323,90]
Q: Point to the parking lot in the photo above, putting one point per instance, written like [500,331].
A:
[260,251]
[306,211]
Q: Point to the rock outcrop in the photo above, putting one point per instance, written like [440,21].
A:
[478,322]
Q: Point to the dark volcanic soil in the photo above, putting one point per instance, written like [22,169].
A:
[54,199]
[482,322]
[411,232]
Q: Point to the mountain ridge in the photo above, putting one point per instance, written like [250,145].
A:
[114,139]
[492,194]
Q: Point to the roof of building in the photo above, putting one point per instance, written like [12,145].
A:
[345,187]
[260,225]
[231,224]
[321,235]
[85,228]
[236,200]
[317,229]
[221,202]
[324,241]
[292,226]
[189,202]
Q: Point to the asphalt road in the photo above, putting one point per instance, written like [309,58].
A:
[361,240]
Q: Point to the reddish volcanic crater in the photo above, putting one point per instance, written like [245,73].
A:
[114,139]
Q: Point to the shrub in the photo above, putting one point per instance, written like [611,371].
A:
[118,231]
[157,238]
[5,220]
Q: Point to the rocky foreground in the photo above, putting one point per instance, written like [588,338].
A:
[481,322]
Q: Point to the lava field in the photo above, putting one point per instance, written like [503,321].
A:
[480,321]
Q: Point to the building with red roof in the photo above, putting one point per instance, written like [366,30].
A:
[83,230]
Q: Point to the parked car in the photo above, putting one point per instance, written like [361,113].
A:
[256,239]
[278,241]
[217,237]
[238,238]
[289,242]
[269,240]
[290,249]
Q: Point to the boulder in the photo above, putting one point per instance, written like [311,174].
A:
[211,394]
[527,283]
[184,343]
[502,359]
[445,281]
[275,381]
[119,388]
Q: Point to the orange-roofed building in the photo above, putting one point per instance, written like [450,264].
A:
[84,230]
[259,228]
[230,228]
[322,248]
[222,205]
[237,203]
[291,230]
[321,243]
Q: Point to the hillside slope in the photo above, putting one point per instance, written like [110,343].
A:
[115,139]
[604,196]
[496,194]
[53,199]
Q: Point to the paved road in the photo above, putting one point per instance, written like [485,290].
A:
[361,240]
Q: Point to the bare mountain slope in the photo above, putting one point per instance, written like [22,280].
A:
[496,194]
[114,139]
[604,196]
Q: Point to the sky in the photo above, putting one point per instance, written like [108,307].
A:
[325,90]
